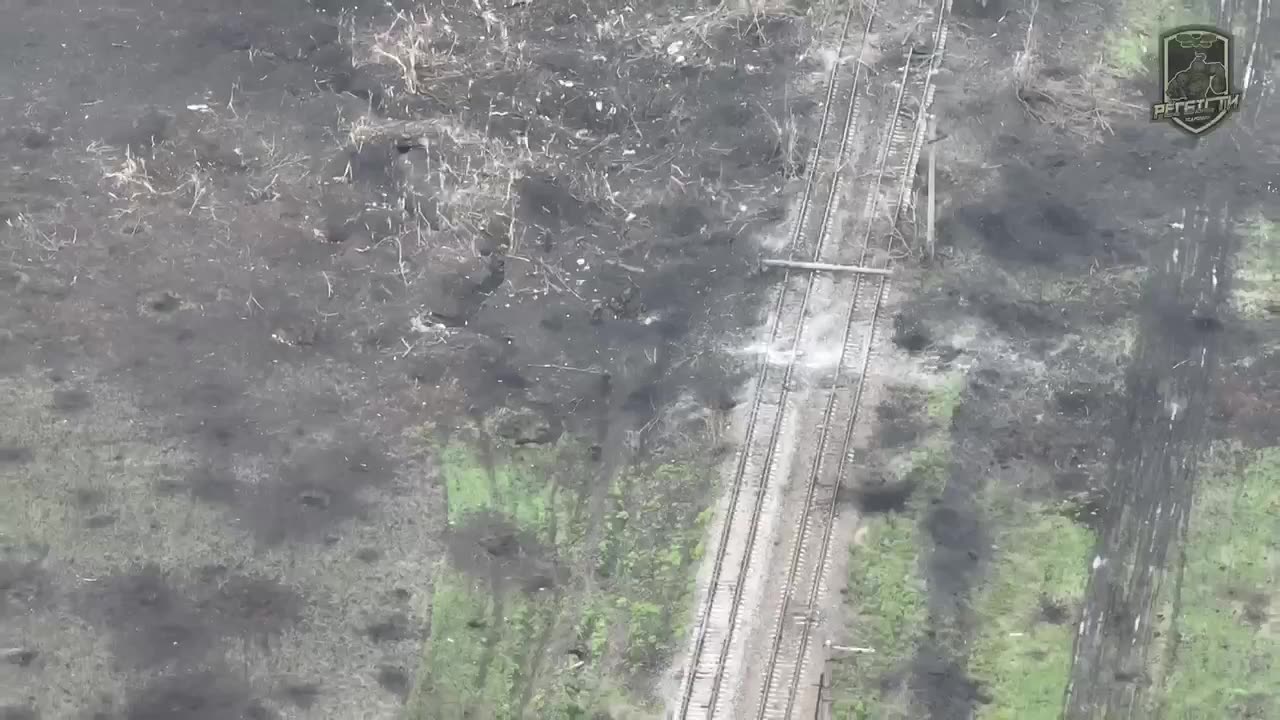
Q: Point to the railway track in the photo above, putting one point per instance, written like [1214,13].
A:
[738,592]
[792,651]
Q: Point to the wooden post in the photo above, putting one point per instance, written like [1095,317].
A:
[799,265]
[933,131]
[817,710]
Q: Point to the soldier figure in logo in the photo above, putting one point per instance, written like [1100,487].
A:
[1199,80]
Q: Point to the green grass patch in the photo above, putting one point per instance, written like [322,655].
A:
[944,399]
[890,608]
[647,560]
[628,617]
[519,484]
[470,670]
[885,591]
[1227,654]
[476,664]
[1023,660]
[1257,273]
[929,467]
[1131,49]
[642,594]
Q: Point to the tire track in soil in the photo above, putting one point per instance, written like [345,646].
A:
[1153,471]
[938,673]
[1163,435]
[615,454]
[494,635]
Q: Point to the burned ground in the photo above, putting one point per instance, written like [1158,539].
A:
[158,621]
[1081,287]
[247,607]
[204,695]
[897,420]
[489,546]
[261,262]
[24,583]
[256,270]
[152,624]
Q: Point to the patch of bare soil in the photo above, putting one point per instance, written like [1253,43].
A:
[24,583]
[1244,407]
[154,623]
[200,696]
[316,490]
[490,547]
[876,488]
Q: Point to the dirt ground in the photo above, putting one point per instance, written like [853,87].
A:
[1081,291]
[260,261]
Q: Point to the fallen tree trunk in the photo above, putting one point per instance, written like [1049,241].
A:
[798,265]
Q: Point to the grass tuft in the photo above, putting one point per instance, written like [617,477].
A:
[945,399]
[1257,274]
[1023,659]
[519,489]
[1227,646]
[591,645]
[891,608]
[885,590]
[1131,49]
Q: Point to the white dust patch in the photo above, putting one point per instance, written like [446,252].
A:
[819,347]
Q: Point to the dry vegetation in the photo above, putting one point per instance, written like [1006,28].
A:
[1082,102]
[211,201]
